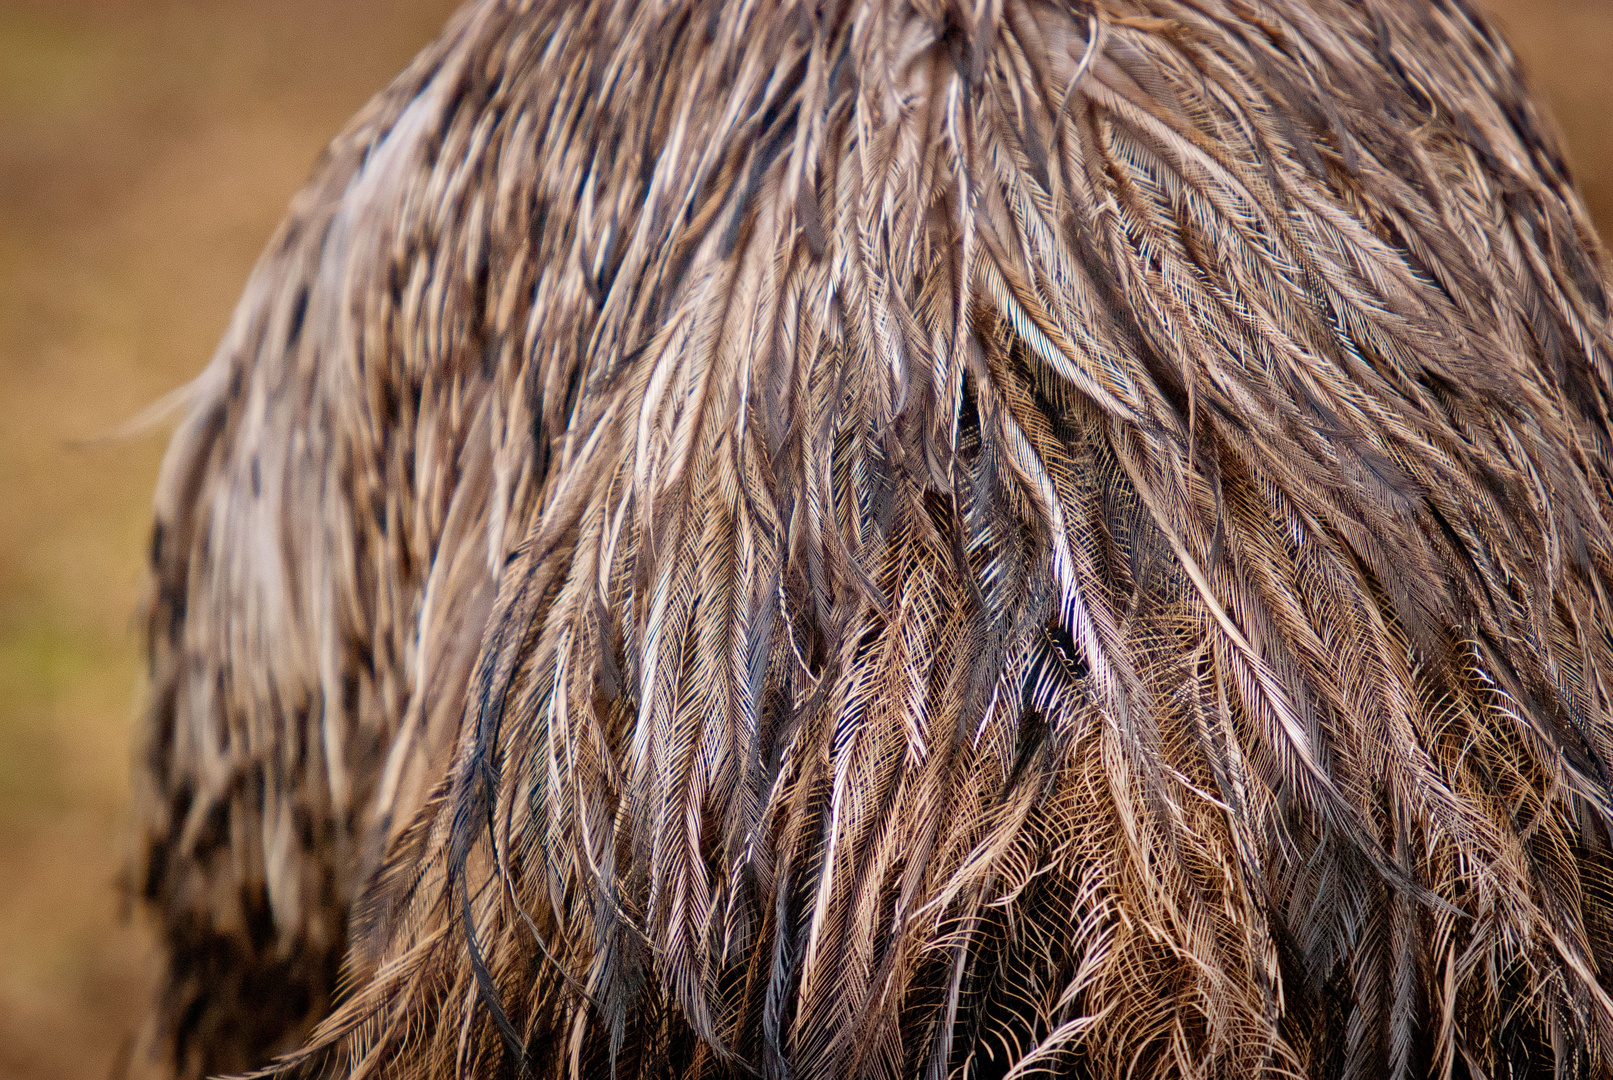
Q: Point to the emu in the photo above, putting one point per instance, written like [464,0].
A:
[901,538]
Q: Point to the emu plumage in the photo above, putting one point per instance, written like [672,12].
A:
[902,539]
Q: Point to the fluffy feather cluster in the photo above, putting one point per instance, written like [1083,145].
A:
[903,538]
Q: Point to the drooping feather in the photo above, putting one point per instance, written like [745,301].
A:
[903,539]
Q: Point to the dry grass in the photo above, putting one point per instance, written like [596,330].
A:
[146,151]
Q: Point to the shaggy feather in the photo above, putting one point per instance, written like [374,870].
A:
[903,538]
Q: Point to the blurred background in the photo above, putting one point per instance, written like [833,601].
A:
[147,149]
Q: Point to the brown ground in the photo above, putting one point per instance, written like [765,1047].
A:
[147,148]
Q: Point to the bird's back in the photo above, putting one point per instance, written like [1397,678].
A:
[904,539]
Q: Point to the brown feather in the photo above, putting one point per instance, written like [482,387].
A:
[903,539]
